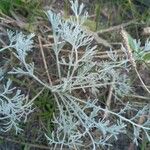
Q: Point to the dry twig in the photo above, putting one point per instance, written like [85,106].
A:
[118,27]
[44,61]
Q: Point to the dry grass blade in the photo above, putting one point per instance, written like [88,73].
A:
[130,55]
[44,61]
[118,27]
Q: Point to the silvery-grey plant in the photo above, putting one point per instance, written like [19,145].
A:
[81,121]
[14,106]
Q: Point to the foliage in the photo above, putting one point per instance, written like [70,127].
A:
[6,5]
[140,52]
[46,104]
[112,12]
[82,121]
[14,108]
[27,8]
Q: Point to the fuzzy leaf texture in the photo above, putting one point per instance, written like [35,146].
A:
[14,108]
[81,121]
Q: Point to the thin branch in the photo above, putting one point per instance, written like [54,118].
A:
[108,101]
[44,61]
[142,80]
[124,35]
[139,97]
[118,27]
[98,39]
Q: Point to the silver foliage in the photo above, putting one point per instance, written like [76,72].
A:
[14,108]
[80,119]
